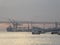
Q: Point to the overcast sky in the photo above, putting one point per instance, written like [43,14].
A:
[30,10]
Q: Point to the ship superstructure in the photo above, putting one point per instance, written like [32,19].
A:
[16,27]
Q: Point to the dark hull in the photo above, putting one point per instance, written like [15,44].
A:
[19,30]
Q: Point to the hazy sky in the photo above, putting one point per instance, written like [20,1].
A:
[30,10]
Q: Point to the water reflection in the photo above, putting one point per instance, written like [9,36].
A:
[23,38]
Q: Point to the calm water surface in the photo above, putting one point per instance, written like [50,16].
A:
[25,38]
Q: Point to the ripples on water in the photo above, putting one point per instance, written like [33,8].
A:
[25,38]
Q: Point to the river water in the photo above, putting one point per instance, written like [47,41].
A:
[26,38]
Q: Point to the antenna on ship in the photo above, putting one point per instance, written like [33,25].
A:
[56,25]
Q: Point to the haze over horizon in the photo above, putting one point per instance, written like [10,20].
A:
[30,10]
